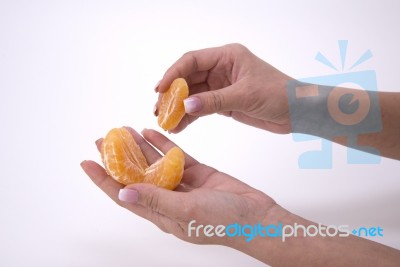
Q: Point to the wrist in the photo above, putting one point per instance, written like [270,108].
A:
[315,250]
[329,111]
[308,108]
[266,244]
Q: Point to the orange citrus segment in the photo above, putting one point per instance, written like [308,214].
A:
[167,172]
[124,161]
[171,108]
[122,157]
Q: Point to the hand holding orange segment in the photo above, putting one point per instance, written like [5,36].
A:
[171,108]
[125,162]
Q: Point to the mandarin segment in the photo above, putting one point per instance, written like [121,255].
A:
[167,172]
[122,157]
[124,161]
[171,108]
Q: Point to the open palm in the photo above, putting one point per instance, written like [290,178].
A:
[205,194]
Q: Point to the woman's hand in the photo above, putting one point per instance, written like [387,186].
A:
[232,81]
[205,195]
[213,198]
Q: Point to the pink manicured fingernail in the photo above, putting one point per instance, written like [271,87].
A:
[156,87]
[192,104]
[128,195]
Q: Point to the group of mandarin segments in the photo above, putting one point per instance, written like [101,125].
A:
[123,159]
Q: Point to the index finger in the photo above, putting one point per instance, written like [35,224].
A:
[190,63]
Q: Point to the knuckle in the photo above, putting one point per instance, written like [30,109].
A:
[152,201]
[237,47]
[191,58]
[216,101]
[167,146]
[187,54]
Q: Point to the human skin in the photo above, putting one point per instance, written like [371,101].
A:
[206,191]
[232,81]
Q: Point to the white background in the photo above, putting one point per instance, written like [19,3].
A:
[71,70]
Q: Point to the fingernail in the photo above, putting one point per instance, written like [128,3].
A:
[128,195]
[192,104]
[155,110]
[156,87]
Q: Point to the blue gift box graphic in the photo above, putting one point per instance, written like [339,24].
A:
[312,99]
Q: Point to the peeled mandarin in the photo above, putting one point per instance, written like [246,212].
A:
[124,161]
[122,157]
[171,109]
[166,172]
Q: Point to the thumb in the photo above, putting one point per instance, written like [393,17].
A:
[157,199]
[205,103]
